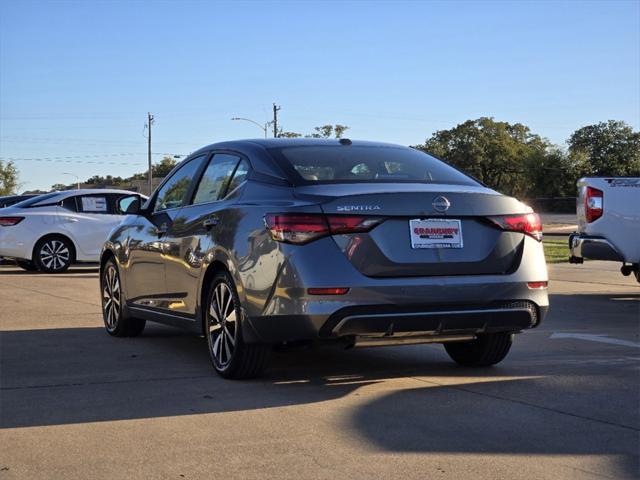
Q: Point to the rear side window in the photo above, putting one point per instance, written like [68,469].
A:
[70,204]
[216,177]
[239,176]
[364,164]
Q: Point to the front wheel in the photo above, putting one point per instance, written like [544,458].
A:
[488,349]
[230,356]
[115,321]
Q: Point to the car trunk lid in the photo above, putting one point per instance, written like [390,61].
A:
[428,229]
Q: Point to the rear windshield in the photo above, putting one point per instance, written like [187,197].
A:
[369,164]
[33,200]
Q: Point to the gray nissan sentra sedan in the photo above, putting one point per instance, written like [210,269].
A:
[261,242]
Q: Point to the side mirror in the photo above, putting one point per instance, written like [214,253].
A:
[129,205]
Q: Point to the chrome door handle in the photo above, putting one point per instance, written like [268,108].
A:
[210,223]
[70,219]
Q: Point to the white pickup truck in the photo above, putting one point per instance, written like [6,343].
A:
[608,222]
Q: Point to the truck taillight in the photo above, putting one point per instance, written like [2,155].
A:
[593,204]
[528,223]
[301,228]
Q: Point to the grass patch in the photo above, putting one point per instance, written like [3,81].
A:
[556,251]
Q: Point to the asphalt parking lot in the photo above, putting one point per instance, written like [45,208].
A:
[76,403]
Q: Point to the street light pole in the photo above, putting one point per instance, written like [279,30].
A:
[262,127]
[77,178]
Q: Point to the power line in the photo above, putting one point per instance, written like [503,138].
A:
[74,158]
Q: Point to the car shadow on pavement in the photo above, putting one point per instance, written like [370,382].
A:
[533,403]
[481,418]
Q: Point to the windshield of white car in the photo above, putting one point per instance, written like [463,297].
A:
[31,202]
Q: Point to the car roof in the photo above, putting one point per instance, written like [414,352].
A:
[295,142]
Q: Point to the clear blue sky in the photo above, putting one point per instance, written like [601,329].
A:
[77,78]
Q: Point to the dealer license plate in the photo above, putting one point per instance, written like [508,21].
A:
[435,233]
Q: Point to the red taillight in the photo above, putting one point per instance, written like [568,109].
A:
[593,204]
[302,228]
[537,284]
[10,221]
[528,223]
[327,291]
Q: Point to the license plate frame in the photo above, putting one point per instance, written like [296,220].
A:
[436,233]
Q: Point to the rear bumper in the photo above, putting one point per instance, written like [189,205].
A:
[505,317]
[595,248]
[438,305]
[12,246]
[391,321]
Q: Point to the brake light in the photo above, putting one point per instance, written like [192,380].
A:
[301,228]
[537,285]
[528,223]
[10,221]
[593,204]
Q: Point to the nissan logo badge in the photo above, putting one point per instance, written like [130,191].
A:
[441,204]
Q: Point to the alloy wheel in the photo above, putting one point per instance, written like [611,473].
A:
[111,297]
[223,325]
[54,255]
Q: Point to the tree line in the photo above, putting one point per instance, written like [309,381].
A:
[513,160]
[507,157]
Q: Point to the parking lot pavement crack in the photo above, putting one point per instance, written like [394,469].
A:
[105,382]
[528,404]
[52,295]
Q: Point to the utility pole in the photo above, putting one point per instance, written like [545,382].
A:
[149,123]
[276,108]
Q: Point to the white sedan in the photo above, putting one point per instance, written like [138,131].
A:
[52,231]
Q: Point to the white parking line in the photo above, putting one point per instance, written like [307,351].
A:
[596,338]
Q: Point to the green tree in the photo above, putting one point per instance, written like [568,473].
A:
[609,148]
[163,167]
[8,178]
[499,154]
[108,180]
[282,134]
[324,131]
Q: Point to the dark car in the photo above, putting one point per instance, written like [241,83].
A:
[258,242]
[9,200]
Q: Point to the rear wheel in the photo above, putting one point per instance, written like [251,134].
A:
[53,254]
[488,349]
[27,265]
[230,356]
[116,323]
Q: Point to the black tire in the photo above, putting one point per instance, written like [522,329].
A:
[27,265]
[116,322]
[53,254]
[230,356]
[488,349]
